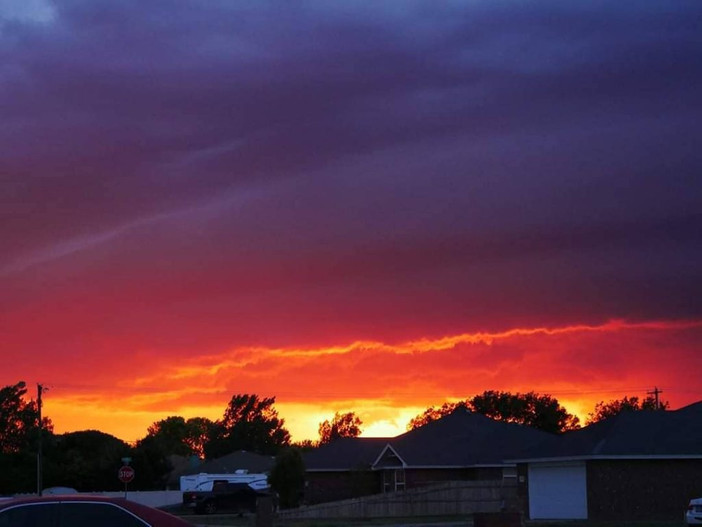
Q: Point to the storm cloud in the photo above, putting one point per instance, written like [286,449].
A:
[184,178]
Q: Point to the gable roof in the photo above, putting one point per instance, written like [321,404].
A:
[459,440]
[389,458]
[676,433]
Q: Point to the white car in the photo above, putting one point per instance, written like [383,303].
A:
[693,516]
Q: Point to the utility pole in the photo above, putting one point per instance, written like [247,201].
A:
[40,458]
[656,392]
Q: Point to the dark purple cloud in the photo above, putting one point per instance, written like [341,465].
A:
[296,172]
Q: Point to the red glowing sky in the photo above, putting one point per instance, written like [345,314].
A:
[347,212]
[386,384]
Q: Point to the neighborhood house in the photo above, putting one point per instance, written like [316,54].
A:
[636,465]
[461,446]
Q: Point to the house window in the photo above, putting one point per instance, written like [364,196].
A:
[393,480]
[400,479]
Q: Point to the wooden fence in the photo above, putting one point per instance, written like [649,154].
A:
[453,498]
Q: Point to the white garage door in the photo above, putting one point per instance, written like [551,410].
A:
[557,492]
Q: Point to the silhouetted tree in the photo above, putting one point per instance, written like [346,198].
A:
[305,445]
[19,419]
[432,414]
[150,459]
[531,409]
[287,477]
[19,434]
[173,436]
[198,431]
[625,404]
[342,425]
[249,423]
[168,435]
[177,436]
[88,461]
[18,472]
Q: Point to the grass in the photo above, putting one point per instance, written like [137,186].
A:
[371,522]
[233,520]
[468,521]
[585,523]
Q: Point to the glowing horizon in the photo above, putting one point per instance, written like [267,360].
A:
[203,386]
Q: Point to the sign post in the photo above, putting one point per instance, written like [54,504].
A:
[125,475]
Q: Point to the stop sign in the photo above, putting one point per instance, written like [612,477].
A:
[125,474]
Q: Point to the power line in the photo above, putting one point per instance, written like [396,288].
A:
[375,394]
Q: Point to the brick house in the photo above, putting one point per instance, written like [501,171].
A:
[460,446]
[634,466]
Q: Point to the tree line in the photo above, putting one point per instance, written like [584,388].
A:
[88,460]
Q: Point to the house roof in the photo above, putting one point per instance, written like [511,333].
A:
[676,433]
[239,460]
[461,439]
[346,453]
[464,439]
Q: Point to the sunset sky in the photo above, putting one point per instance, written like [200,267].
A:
[375,206]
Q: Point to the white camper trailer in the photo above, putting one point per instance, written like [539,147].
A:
[203,481]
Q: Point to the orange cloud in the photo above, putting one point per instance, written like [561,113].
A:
[386,384]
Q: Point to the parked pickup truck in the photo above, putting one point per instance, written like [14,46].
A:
[224,497]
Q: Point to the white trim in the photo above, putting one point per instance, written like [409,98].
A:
[394,485]
[457,466]
[415,467]
[382,453]
[604,458]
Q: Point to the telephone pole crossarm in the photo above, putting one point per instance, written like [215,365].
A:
[656,392]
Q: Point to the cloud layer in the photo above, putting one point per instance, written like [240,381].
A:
[179,180]
[386,384]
